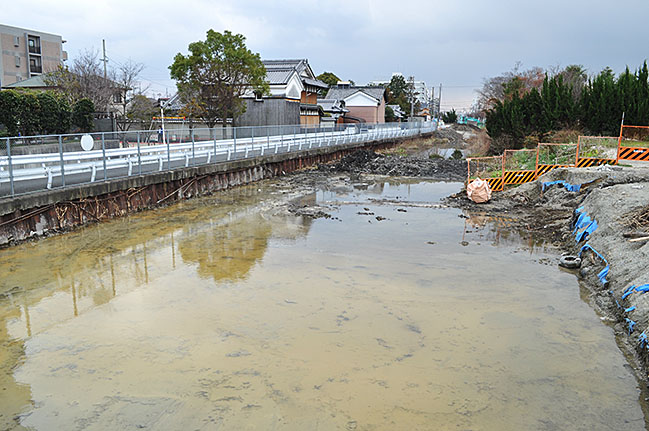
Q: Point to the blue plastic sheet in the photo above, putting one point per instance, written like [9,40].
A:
[604,272]
[567,186]
[630,309]
[629,290]
[631,324]
[582,221]
[583,234]
[602,275]
[643,288]
[643,340]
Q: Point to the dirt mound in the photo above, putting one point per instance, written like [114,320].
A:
[372,163]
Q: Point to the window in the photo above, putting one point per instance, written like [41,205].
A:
[117,97]
[17,61]
[16,41]
[35,65]
[34,44]
[258,96]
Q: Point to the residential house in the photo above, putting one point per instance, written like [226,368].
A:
[292,99]
[365,104]
[334,110]
[27,53]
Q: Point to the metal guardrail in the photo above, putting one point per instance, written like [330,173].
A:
[140,153]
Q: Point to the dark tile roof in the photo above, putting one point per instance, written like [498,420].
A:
[343,93]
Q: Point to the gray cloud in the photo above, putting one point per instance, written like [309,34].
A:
[456,43]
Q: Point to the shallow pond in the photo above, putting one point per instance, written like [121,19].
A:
[227,313]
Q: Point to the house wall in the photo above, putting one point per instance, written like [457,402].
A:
[270,112]
[311,98]
[367,113]
[381,112]
[310,120]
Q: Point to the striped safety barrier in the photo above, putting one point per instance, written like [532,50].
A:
[543,169]
[518,177]
[495,184]
[592,161]
[633,153]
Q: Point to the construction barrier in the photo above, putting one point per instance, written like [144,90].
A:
[516,168]
[519,166]
[596,151]
[552,156]
[633,143]
[488,169]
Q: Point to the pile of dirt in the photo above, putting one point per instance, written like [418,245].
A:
[364,161]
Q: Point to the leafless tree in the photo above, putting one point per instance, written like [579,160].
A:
[494,89]
[126,87]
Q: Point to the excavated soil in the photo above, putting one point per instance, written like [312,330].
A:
[369,162]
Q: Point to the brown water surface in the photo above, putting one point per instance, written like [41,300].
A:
[227,313]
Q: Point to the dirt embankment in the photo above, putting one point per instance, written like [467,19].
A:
[364,161]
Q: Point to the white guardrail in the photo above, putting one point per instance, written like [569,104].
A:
[20,174]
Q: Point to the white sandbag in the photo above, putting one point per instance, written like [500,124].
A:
[478,191]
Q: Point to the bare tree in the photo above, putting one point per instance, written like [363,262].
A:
[85,78]
[497,88]
[126,87]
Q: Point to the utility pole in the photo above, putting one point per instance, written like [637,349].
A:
[431,103]
[411,88]
[439,103]
[105,60]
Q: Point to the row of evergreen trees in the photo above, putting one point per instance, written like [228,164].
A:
[28,113]
[595,107]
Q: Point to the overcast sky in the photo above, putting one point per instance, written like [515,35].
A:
[456,43]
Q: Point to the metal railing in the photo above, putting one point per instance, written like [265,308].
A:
[33,164]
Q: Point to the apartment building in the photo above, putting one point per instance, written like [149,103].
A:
[27,53]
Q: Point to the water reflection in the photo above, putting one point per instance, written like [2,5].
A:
[501,231]
[63,277]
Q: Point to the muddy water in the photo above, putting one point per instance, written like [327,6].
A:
[228,313]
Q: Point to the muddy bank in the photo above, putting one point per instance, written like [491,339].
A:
[366,161]
[600,223]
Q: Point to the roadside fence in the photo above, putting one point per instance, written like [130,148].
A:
[36,163]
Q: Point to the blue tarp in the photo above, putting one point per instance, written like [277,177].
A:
[583,234]
[567,186]
[604,272]
[643,340]
[631,324]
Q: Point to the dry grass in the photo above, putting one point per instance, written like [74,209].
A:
[637,219]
